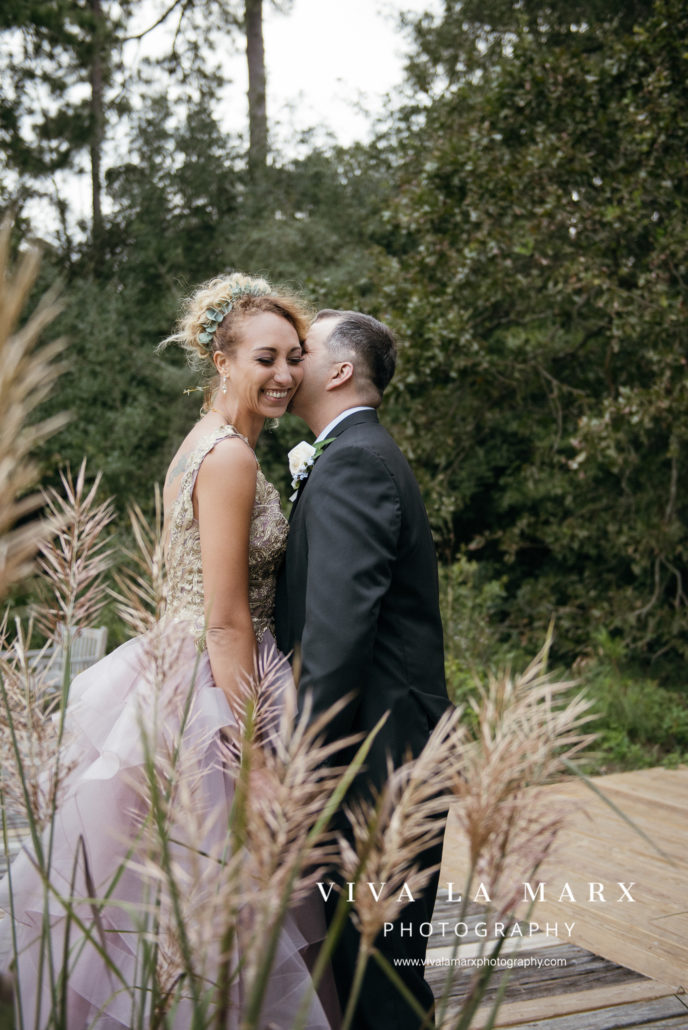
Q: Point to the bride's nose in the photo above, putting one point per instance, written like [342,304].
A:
[284,375]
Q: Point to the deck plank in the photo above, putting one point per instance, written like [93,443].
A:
[660,1014]
[581,985]
[650,935]
[528,1013]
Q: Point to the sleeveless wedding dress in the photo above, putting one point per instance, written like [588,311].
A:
[159,683]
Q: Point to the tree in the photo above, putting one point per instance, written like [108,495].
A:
[470,35]
[538,277]
[54,51]
[257,112]
[248,18]
[97,133]
[46,121]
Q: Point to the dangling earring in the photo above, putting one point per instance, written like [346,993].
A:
[224,384]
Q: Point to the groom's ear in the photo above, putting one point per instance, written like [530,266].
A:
[342,372]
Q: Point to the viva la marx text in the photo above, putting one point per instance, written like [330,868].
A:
[595,892]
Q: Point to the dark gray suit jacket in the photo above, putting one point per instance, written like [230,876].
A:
[358,593]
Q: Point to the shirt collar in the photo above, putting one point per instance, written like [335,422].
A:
[340,417]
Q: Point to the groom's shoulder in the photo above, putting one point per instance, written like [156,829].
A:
[373,439]
[367,453]
[368,434]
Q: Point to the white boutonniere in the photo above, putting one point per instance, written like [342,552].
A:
[302,459]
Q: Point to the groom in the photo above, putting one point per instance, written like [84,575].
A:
[358,602]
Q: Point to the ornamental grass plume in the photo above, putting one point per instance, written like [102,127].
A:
[214,868]
[142,589]
[392,830]
[287,789]
[527,729]
[72,560]
[75,558]
[29,740]
[389,834]
[295,778]
[529,726]
[195,881]
[27,374]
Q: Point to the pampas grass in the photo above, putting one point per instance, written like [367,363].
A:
[529,726]
[141,593]
[74,558]
[27,374]
[390,831]
[29,739]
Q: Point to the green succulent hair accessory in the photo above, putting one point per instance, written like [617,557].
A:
[214,316]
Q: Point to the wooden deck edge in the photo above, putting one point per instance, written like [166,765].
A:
[548,1007]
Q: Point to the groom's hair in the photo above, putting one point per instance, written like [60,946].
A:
[371,343]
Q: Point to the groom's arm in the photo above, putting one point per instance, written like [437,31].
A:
[352,526]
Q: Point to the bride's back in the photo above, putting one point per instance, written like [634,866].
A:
[180,462]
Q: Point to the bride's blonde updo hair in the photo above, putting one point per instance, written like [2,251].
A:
[212,317]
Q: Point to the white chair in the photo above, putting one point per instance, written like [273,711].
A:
[88,646]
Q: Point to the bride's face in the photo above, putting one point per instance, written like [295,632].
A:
[264,370]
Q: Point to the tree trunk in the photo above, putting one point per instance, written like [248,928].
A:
[97,123]
[257,114]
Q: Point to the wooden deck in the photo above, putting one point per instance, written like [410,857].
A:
[626,962]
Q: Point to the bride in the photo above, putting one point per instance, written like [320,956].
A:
[178,687]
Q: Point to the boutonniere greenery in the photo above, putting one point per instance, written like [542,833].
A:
[302,458]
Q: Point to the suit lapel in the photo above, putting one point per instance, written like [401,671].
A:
[355,419]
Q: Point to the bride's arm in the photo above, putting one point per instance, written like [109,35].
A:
[223,501]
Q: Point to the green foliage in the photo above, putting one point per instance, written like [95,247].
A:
[116,390]
[476,640]
[49,58]
[538,281]
[639,723]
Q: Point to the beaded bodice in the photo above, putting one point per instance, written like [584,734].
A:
[267,541]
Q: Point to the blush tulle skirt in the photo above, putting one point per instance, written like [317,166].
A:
[145,717]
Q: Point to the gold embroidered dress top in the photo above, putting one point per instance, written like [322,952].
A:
[267,541]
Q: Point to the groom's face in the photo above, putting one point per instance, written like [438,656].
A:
[317,367]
